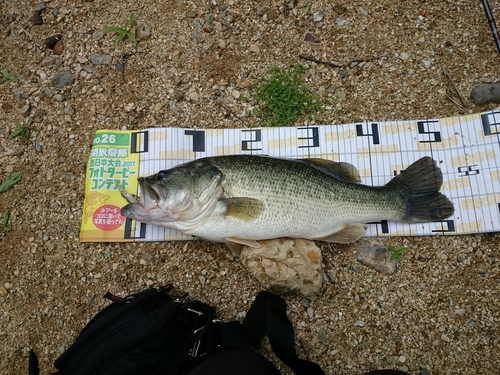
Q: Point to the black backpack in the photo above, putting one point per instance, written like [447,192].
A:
[150,333]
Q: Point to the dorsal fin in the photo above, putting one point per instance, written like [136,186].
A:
[342,170]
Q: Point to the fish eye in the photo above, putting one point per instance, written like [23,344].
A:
[161,175]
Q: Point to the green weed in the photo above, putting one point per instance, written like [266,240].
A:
[397,254]
[7,76]
[5,221]
[10,181]
[123,31]
[283,98]
[23,131]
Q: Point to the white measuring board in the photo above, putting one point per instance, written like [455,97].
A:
[466,148]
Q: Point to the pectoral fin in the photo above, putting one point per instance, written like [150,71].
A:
[350,233]
[243,208]
[236,244]
[341,170]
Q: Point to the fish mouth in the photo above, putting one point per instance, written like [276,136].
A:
[146,207]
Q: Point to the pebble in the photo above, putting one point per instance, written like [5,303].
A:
[41,6]
[98,35]
[142,31]
[341,22]
[363,12]
[402,359]
[20,93]
[427,63]
[254,48]
[310,312]
[63,78]
[88,68]
[359,323]
[404,56]
[194,96]
[484,94]
[100,59]
[317,16]
[58,98]
[36,18]
[221,43]
[460,312]
[374,254]
[198,37]
[52,40]
[236,94]
[25,110]
[48,92]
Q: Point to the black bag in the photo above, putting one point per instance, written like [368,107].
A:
[149,333]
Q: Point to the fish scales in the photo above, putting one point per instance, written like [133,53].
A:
[241,199]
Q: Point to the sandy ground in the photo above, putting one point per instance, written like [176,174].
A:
[439,314]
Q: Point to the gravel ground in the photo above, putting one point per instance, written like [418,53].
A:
[438,315]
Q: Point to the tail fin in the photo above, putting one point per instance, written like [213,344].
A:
[419,187]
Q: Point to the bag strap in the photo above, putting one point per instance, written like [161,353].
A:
[266,315]
[33,364]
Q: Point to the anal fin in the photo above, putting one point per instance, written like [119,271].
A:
[236,244]
[350,233]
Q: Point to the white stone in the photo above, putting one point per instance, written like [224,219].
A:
[286,265]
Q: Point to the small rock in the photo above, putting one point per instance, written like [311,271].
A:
[191,14]
[341,22]
[69,176]
[310,312]
[58,98]
[254,48]
[404,56]
[427,63]
[339,9]
[47,62]
[63,78]
[52,40]
[363,12]
[20,93]
[7,107]
[41,7]
[100,59]
[460,312]
[198,37]
[36,18]
[88,68]
[402,359]
[25,110]
[142,31]
[484,94]
[284,265]
[261,11]
[374,254]
[236,94]
[221,43]
[359,323]
[317,16]
[68,110]
[98,35]
[58,48]
[48,92]
[310,38]
[39,146]
[194,96]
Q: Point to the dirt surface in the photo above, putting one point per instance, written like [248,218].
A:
[439,314]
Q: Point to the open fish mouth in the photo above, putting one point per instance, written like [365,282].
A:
[147,205]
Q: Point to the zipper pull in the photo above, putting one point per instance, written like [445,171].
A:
[120,300]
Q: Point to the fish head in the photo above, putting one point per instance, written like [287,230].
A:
[181,194]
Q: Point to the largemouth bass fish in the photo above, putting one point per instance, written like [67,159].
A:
[241,199]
